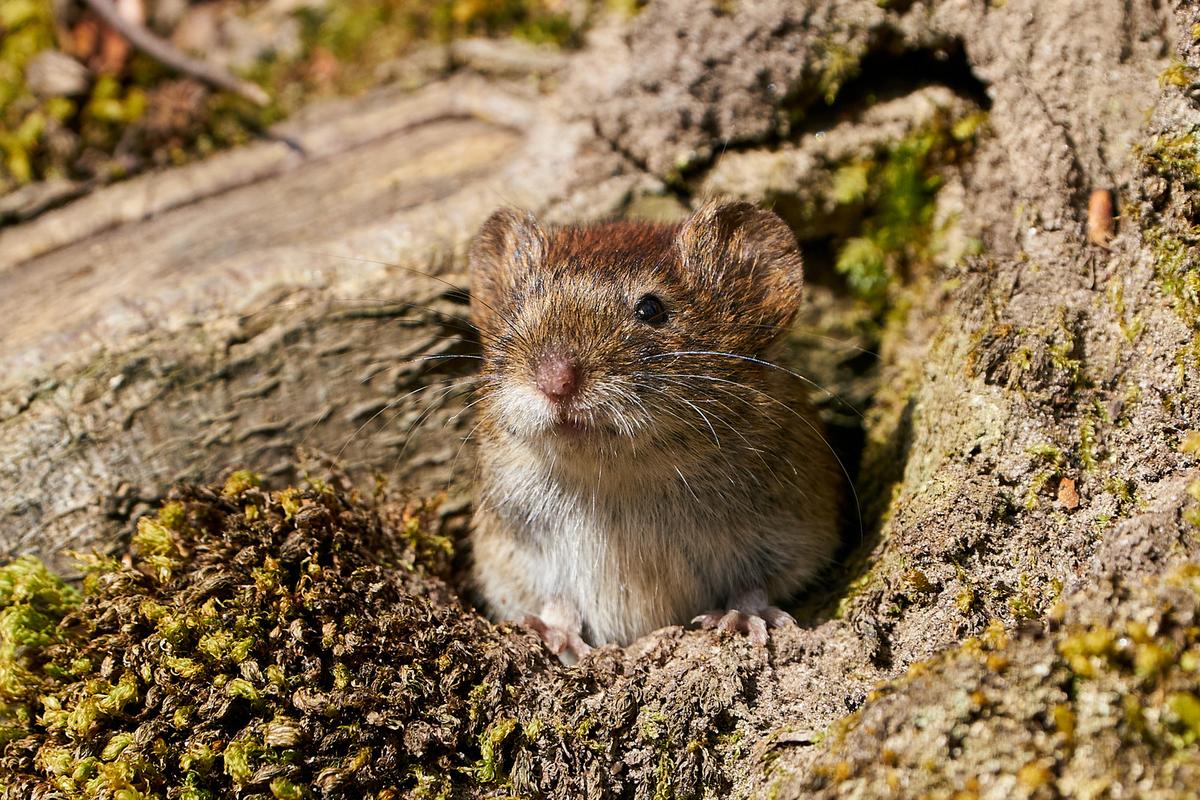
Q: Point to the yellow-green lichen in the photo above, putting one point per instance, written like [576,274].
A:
[1052,463]
[1177,74]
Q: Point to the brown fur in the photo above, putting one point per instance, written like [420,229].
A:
[699,477]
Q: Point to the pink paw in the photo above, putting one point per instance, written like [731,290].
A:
[560,628]
[567,645]
[748,613]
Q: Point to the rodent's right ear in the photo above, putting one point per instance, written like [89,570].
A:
[509,244]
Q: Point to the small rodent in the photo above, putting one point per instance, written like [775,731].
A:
[641,461]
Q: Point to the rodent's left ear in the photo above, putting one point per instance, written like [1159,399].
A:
[736,249]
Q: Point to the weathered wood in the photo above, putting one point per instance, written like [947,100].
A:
[220,314]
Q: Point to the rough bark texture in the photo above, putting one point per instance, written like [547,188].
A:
[1024,461]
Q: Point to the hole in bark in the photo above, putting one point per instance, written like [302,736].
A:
[889,72]
[893,224]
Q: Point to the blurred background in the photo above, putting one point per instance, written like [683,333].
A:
[80,105]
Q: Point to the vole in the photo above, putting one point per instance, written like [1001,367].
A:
[642,461]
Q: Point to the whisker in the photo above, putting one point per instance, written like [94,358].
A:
[760,362]
[463,410]
[749,446]
[821,436]
[834,340]
[686,485]
[445,355]
[454,463]
[812,334]
[716,439]
[408,433]
[390,405]
[676,380]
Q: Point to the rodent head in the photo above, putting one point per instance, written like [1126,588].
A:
[630,334]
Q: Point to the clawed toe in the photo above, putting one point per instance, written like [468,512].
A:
[753,621]
[777,617]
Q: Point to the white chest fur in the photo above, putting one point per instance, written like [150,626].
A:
[631,552]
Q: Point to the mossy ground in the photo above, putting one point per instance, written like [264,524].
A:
[892,254]
[1173,163]
[283,644]
[301,643]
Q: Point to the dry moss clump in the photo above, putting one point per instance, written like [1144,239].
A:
[258,644]
[299,644]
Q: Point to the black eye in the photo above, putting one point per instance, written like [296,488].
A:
[650,310]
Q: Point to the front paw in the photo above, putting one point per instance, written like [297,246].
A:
[568,645]
[748,613]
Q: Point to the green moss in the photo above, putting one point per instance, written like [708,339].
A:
[240,759]
[1062,349]
[1024,603]
[32,604]
[1176,268]
[431,786]
[199,758]
[966,128]
[1094,415]
[965,601]
[1174,240]
[240,482]
[26,28]
[426,544]
[490,767]
[251,599]
[1122,491]
[1173,156]
[1130,327]
[1151,658]
[116,745]
[919,582]
[1120,678]
[283,789]
[839,64]
[1191,514]
[865,265]
[1052,461]
[851,182]
[896,192]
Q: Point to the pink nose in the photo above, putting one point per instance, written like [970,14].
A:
[557,377]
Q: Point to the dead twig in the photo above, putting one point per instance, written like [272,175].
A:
[168,54]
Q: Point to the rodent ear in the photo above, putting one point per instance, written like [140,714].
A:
[510,243]
[736,252]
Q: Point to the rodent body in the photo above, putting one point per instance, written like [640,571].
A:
[641,461]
